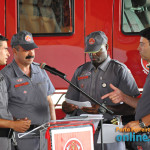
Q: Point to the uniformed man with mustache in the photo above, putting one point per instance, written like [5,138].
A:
[29,88]
[7,124]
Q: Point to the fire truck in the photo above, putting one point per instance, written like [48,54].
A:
[59,28]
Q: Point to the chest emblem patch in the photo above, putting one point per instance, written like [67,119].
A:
[25,92]
[139,148]
[82,85]
[19,80]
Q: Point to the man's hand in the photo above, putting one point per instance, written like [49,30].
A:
[134,126]
[116,96]
[91,110]
[21,125]
[68,108]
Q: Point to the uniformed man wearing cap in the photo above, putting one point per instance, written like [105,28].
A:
[7,124]
[29,88]
[94,78]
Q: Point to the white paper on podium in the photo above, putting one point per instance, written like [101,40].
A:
[79,104]
[95,117]
[109,133]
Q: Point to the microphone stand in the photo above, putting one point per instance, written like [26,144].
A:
[91,98]
[63,76]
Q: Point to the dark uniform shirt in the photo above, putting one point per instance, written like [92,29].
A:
[5,143]
[28,96]
[143,107]
[95,82]
[4,113]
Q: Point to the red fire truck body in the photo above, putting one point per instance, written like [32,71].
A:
[65,52]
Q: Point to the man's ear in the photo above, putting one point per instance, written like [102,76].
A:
[107,46]
[14,51]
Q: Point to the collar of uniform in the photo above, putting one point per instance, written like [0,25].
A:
[19,72]
[34,68]
[103,66]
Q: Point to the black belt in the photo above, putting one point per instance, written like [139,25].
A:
[6,132]
[33,126]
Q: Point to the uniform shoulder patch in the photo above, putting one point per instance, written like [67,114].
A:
[118,62]
[121,64]
[83,67]
[6,69]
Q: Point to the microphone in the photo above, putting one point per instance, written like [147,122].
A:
[63,76]
[52,70]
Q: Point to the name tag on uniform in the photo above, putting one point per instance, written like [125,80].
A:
[84,77]
[21,84]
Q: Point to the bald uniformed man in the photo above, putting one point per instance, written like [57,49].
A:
[6,119]
[29,88]
[94,78]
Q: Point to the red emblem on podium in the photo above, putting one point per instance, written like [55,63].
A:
[73,144]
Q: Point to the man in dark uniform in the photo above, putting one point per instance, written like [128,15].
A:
[142,105]
[6,120]
[29,88]
[94,78]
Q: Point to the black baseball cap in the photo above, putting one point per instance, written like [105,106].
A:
[2,38]
[145,33]
[24,39]
[94,41]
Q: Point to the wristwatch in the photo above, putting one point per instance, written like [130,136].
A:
[141,123]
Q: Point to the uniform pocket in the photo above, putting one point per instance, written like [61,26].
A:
[22,94]
[42,86]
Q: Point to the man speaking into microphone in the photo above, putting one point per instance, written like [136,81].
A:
[29,88]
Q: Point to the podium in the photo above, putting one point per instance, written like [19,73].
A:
[67,135]
[75,133]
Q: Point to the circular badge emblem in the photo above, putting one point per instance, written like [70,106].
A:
[73,144]
[28,38]
[144,65]
[91,41]
[104,85]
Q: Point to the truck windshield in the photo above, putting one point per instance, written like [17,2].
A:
[45,16]
[135,15]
